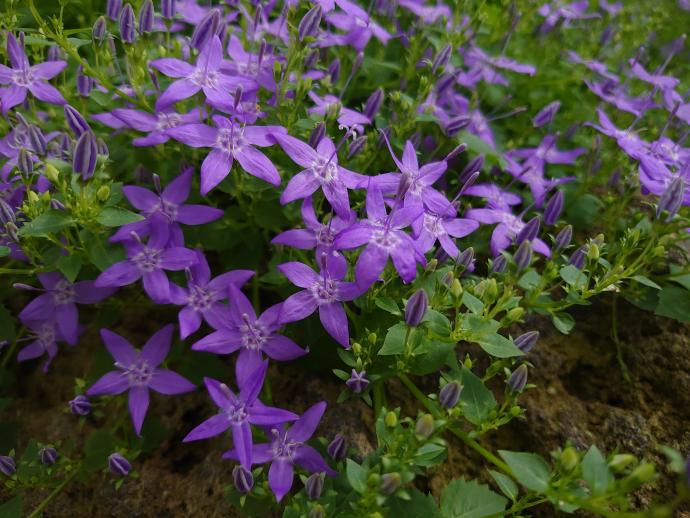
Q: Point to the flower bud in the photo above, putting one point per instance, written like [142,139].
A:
[474,165]
[621,461]
[456,288]
[416,308]
[334,70]
[357,382]
[391,419]
[672,198]
[85,155]
[6,216]
[466,259]
[526,341]
[390,483]
[518,379]
[553,208]
[460,148]
[127,24]
[645,472]
[425,426]
[337,448]
[563,238]
[499,264]
[54,53]
[84,83]
[593,252]
[205,29]
[317,512]
[577,259]
[37,140]
[523,256]
[546,115]
[99,29]
[75,120]
[515,314]
[118,465]
[449,395]
[168,9]
[113,8]
[7,465]
[25,164]
[569,458]
[357,146]
[48,456]
[357,63]
[103,193]
[456,124]
[442,58]
[146,17]
[243,479]
[80,405]
[530,231]
[314,485]
[373,104]
[102,147]
[309,25]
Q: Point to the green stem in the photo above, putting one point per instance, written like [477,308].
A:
[379,396]
[616,340]
[13,271]
[37,512]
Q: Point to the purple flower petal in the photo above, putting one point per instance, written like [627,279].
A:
[172,67]
[306,425]
[297,307]
[67,318]
[197,214]
[300,186]
[141,198]
[46,93]
[280,477]
[242,441]
[256,164]
[309,459]
[48,69]
[299,274]
[157,286]
[119,348]
[111,383]
[157,347]
[334,321]
[170,383]
[220,342]
[213,426]
[119,274]
[138,405]
[215,167]
[190,322]
[194,135]
[281,348]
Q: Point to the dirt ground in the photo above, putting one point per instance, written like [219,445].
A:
[581,397]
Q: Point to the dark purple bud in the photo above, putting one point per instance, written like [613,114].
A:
[127,23]
[311,59]
[570,132]
[578,258]
[76,121]
[607,35]
[113,8]
[468,183]
[390,483]
[499,264]
[37,140]
[118,465]
[57,204]
[65,145]
[466,259]
[546,115]
[357,382]
[523,255]
[456,124]
[314,485]
[518,379]
[7,465]
[357,63]
[309,25]
[111,46]
[99,29]
[445,81]
[243,479]
[526,341]
[672,198]
[84,83]
[474,165]
[453,154]
[6,213]
[205,30]
[530,231]
[48,456]
[54,53]
[553,208]
[563,238]
[80,405]
[85,155]
[12,231]
[442,58]
[373,104]
[24,162]
[317,134]
[221,31]
[337,448]
[334,70]
[416,307]
[168,9]
[146,16]
[357,146]
[449,395]
[102,147]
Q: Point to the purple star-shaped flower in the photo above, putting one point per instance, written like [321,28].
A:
[24,78]
[321,170]
[239,412]
[347,117]
[138,372]
[147,261]
[288,448]
[384,237]
[430,227]
[241,329]
[627,139]
[202,297]
[44,337]
[358,26]
[60,301]
[205,76]
[230,141]
[496,197]
[325,291]
[509,226]
[155,125]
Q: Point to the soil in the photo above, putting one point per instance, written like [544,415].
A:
[582,397]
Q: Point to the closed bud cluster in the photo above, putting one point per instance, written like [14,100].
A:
[7,465]
[456,288]
[553,208]
[518,379]
[48,456]
[309,25]
[146,17]
[242,479]
[449,395]
[314,486]
[425,426]
[85,155]
[80,405]
[337,448]
[523,256]
[205,29]
[127,24]
[118,465]
[563,238]
[390,483]
[530,231]
[526,341]
[499,264]
[416,308]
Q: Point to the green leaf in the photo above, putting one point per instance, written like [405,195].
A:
[563,322]
[389,305]
[356,476]
[529,280]
[646,281]
[394,343]
[506,484]
[529,468]
[499,346]
[430,356]
[437,322]
[473,303]
[47,223]
[674,302]
[116,217]
[596,472]
[69,266]
[99,251]
[476,400]
[7,326]
[4,251]
[470,499]
[573,276]
[99,445]
[12,508]
[419,504]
